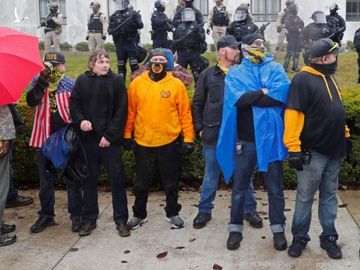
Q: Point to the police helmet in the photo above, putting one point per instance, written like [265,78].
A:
[188,15]
[318,17]
[53,7]
[160,3]
[121,4]
[334,7]
[293,9]
[289,2]
[241,14]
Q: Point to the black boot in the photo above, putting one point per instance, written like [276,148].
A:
[296,63]
[286,62]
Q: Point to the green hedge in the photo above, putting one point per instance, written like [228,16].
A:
[192,166]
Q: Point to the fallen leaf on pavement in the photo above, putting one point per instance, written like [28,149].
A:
[162,255]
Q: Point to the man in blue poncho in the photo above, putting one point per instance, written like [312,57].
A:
[251,135]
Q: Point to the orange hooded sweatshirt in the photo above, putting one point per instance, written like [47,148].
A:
[158,111]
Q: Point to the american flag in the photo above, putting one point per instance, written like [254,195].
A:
[41,128]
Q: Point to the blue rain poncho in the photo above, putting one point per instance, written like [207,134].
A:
[268,121]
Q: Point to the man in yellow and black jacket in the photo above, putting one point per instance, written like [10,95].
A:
[158,114]
[317,139]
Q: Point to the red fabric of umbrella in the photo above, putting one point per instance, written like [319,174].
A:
[20,61]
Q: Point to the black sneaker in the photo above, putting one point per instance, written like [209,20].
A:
[332,249]
[7,228]
[280,242]
[136,222]
[296,247]
[233,242]
[254,219]
[6,239]
[201,220]
[41,224]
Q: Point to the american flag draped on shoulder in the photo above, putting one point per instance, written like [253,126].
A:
[41,129]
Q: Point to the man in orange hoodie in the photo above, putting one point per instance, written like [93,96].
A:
[159,116]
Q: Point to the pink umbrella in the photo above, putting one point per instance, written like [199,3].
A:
[20,61]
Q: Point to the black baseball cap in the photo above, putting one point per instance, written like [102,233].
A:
[323,47]
[227,41]
[250,38]
[54,57]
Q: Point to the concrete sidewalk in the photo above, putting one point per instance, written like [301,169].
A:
[58,248]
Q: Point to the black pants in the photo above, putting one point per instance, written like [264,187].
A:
[358,61]
[110,158]
[168,158]
[190,58]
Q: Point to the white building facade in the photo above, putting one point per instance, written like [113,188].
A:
[24,15]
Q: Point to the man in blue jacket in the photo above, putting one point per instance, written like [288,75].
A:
[207,112]
[251,135]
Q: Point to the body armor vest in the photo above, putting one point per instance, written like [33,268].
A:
[49,21]
[95,23]
[220,17]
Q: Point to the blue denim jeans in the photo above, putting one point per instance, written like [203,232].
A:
[211,181]
[47,175]
[321,174]
[245,166]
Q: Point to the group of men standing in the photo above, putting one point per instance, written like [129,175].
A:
[247,116]
[291,27]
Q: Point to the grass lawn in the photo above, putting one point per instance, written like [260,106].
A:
[346,74]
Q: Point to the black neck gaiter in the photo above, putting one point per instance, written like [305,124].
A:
[327,70]
[157,71]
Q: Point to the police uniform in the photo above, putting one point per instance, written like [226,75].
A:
[123,26]
[337,24]
[218,20]
[97,27]
[52,30]
[242,24]
[314,31]
[189,39]
[160,25]
[293,25]
[357,47]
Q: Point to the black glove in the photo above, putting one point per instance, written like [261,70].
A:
[296,160]
[87,38]
[187,148]
[103,37]
[278,29]
[128,144]
[208,31]
[348,147]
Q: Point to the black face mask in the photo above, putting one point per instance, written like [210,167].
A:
[327,70]
[157,71]
[161,9]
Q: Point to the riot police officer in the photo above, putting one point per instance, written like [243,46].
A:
[280,26]
[187,4]
[293,25]
[218,20]
[161,25]
[336,24]
[189,39]
[242,24]
[312,32]
[52,30]
[97,26]
[123,26]
[357,47]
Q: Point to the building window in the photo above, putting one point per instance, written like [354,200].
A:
[44,8]
[203,6]
[265,10]
[353,10]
